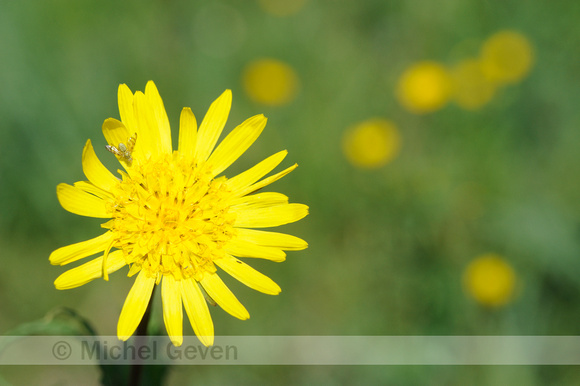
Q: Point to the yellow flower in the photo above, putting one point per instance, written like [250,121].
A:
[507,57]
[424,87]
[472,89]
[173,220]
[372,143]
[490,280]
[270,81]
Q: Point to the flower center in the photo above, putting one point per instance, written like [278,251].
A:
[171,217]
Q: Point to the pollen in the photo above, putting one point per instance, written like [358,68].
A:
[171,218]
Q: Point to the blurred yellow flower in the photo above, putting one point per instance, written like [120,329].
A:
[507,57]
[490,280]
[471,88]
[173,221]
[372,143]
[282,7]
[424,87]
[270,81]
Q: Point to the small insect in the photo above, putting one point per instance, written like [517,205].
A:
[124,151]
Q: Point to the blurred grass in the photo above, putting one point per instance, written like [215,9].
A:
[387,247]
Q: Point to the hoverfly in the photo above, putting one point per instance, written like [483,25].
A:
[124,151]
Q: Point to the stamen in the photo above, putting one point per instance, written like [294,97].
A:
[160,209]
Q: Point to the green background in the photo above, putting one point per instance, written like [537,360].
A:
[388,247]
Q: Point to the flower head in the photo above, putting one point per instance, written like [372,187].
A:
[424,87]
[173,220]
[270,82]
[372,143]
[490,280]
[472,89]
[507,57]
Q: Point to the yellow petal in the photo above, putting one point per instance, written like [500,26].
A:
[79,202]
[243,248]
[125,97]
[236,143]
[270,216]
[258,200]
[248,275]
[212,125]
[271,239]
[134,269]
[92,189]
[156,104]
[135,305]
[149,138]
[197,311]
[172,309]
[266,181]
[116,132]
[215,287]
[247,178]
[95,171]
[187,133]
[80,250]
[89,271]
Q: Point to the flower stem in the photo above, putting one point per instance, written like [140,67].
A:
[140,340]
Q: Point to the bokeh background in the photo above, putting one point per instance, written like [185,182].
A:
[438,144]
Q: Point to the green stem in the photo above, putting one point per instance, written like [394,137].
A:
[140,340]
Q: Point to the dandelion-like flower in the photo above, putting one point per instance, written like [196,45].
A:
[424,87]
[472,89]
[372,143]
[490,280]
[173,219]
[270,82]
[507,57]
